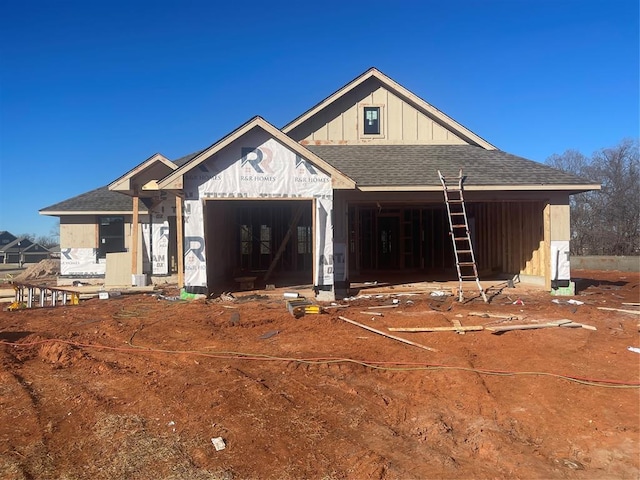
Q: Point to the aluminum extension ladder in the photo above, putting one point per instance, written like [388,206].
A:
[460,235]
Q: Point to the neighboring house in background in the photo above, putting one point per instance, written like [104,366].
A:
[349,188]
[20,250]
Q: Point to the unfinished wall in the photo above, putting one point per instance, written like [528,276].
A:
[78,231]
[509,237]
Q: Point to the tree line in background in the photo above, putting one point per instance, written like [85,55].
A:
[605,222]
[46,241]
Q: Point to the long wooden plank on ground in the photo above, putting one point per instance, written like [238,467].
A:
[636,312]
[528,326]
[578,325]
[495,315]
[472,328]
[379,332]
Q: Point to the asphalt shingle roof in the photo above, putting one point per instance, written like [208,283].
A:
[382,165]
[101,200]
[418,165]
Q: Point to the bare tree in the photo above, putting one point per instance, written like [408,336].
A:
[605,222]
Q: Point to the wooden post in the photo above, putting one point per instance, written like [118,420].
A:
[134,236]
[546,249]
[314,238]
[180,241]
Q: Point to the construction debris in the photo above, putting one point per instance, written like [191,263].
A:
[472,328]
[495,315]
[636,312]
[383,306]
[379,332]
[497,329]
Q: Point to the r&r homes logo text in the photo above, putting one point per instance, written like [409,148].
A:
[257,158]
[302,166]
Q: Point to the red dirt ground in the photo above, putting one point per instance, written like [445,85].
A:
[135,387]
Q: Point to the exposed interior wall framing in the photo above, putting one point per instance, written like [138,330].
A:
[250,237]
[397,237]
[508,237]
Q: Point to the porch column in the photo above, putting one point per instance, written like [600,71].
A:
[134,236]
[557,222]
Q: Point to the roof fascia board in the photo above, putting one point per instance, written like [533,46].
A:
[174,180]
[480,188]
[64,213]
[124,182]
[403,92]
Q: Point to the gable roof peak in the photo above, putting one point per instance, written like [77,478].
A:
[408,96]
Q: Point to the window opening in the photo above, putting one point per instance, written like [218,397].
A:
[111,234]
[372,120]
[304,239]
[265,239]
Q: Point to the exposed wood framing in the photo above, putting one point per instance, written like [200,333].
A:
[546,246]
[180,247]
[134,236]
[285,241]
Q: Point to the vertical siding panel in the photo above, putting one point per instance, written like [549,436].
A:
[379,96]
[439,134]
[334,129]
[409,124]
[350,124]
[394,118]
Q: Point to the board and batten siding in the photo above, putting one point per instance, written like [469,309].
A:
[401,123]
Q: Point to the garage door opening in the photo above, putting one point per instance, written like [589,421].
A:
[270,241]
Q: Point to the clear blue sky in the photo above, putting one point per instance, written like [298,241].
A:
[88,89]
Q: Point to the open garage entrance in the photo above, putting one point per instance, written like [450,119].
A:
[270,241]
[407,238]
[412,242]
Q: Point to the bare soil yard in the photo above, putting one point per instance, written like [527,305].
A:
[137,386]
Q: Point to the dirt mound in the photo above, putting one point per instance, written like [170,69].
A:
[44,269]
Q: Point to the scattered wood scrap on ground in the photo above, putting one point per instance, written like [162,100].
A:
[379,332]
[498,329]
[635,312]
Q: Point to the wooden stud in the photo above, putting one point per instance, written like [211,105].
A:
[134,236]
[545,258]
[180,241]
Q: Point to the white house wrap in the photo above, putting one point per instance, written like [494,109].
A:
[256,167]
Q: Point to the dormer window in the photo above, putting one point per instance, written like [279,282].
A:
[372,120]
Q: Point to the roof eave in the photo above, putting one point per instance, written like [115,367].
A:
[480,188]
[59,213]
[123,184]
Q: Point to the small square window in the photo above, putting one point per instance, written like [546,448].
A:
[372,120]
